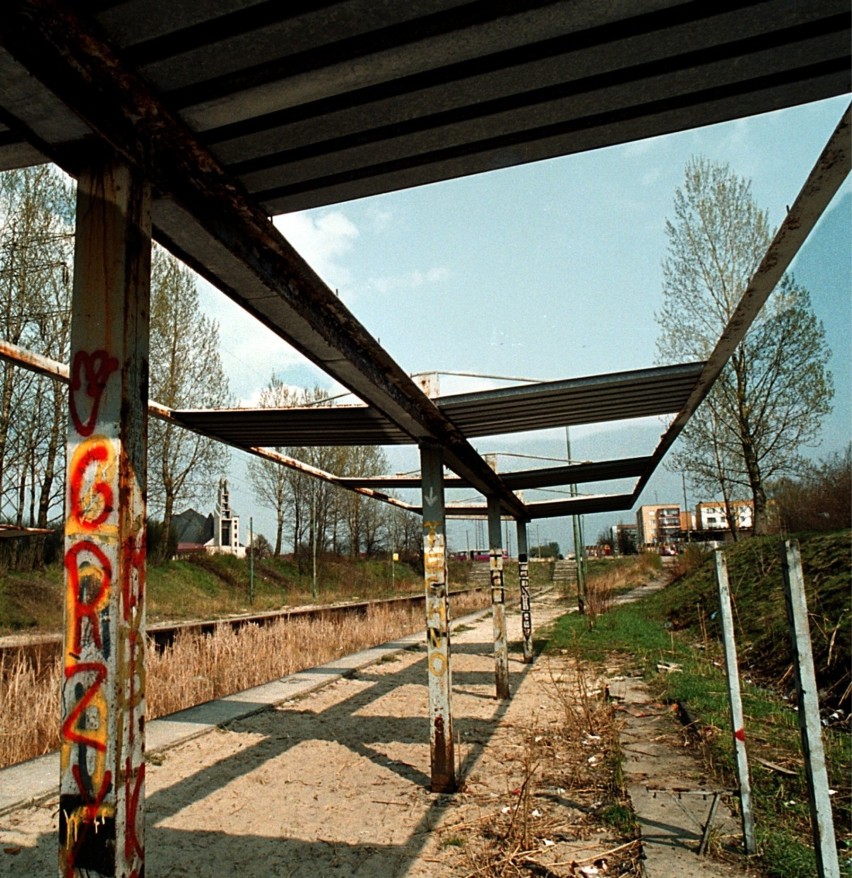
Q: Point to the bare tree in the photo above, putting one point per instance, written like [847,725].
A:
[270,480]
[363,515]
[768,402]
[36,252]
[186,372]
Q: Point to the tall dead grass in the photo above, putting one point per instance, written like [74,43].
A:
[197,668]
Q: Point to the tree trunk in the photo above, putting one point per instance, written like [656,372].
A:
[168,511]
[758,492]
[279,531]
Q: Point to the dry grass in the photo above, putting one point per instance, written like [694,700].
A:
[29,703]
[197,668]
[570,810]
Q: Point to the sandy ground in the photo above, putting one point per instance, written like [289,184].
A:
[337,783]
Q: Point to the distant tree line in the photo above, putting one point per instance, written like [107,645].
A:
[317,517]
[820,498]
[36,254]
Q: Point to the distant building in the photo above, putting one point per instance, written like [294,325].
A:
[218,533]
[657,524]
[624,538]
[713,515]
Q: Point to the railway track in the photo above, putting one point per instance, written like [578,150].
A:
[162,635]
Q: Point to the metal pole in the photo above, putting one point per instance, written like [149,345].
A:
[822,822]
[737,718]
[498,599]
[101,800]
[251,560]
[578,539]
[314,592]
[524,582]
[437,622]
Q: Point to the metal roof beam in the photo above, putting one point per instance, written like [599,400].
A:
[211,222]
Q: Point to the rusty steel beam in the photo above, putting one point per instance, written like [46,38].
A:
[65,52]
[42,365]
[498,600]
[524,582]
[443,770]
[101,819]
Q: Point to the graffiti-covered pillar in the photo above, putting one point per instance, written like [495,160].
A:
[437,622]
[103,688]
[524,583]
[498,599]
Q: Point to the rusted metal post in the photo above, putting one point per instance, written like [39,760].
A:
[737,718]
[437,622]
[822,822]
[103,689]
[498,599]
[524,582]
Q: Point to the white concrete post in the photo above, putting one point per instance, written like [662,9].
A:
[498,599]
[437,622]
[822,821]
[103,690]
[524,582]
[737,718]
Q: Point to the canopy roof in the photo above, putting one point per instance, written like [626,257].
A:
[234,110]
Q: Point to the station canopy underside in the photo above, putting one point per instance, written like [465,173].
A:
[236,110]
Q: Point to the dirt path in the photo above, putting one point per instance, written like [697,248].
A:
[336,783]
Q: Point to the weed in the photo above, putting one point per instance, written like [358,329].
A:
[678,625]
[620,817]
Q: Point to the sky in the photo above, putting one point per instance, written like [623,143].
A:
[545,271]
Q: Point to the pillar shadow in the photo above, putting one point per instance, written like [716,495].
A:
[169,850]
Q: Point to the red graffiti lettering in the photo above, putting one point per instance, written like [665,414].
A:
[69,730]
[90,607]
[134,561]
[95,455]
[93,370]
[132,842]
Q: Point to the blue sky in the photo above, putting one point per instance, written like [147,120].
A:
[546,271]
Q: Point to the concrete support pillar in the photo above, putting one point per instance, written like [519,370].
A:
[498,599]
[442,750]
[524,582]
[103,689]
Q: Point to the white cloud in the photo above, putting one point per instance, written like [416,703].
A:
[411,280]
[322,240]
[379,218]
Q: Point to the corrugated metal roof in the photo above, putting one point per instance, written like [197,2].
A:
[611,397]
[311,103]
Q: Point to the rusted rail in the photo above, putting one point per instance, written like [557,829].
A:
[163,635]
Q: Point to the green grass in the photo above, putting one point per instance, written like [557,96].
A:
[675,626]
[210,586]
